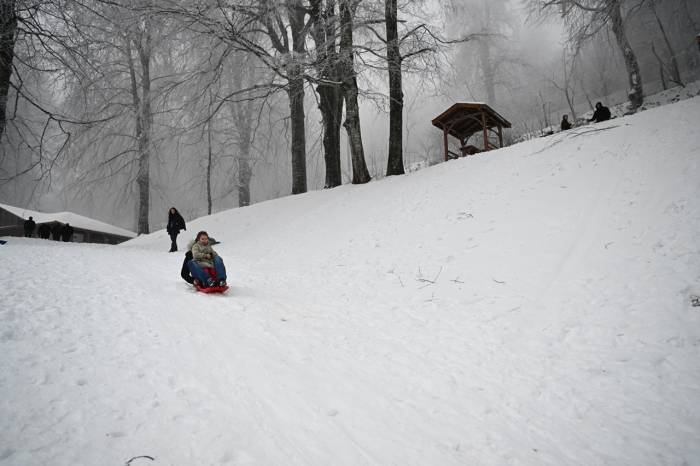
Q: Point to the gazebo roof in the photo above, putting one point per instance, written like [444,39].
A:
[464,119]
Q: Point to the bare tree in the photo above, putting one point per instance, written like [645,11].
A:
[674,70]
[491,24]
[139,38]
[244,75]
[8,29]
[408,47]
[585,19]
[325,33]
[209,155]
[292,58]
[39,43]
[119,87]
[567,83]
[348,9]
[393,58]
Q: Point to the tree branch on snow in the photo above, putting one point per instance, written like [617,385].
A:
[138,457]
[428,281]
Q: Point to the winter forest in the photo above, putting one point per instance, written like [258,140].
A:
[120,109]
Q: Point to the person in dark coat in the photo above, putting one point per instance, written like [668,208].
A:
[29,226]
[185,272]
[44,231]
[565,124]
[56,231]
[175,224]
[601,113]
[67,233]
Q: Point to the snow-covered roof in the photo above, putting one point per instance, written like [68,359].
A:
[76,221]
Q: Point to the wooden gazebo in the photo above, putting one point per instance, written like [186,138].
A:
[464,119]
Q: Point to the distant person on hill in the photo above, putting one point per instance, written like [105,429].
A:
[601,113]
[67,233]
[29,226]
[44,231]
[56,230]
[204,256]
[175,224]
[565,124]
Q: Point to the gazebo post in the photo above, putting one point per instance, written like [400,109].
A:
[444,137]
[500,135]
[486,134]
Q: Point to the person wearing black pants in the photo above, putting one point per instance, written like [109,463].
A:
[29,226]
[175,224]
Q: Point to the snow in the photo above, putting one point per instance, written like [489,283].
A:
[527,306]
[76,220]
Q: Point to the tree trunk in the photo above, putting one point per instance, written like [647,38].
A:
[487,70]
[295,91]
[296,109]
[675,71]
[691,59]
[144,119]
[241,113]
[209,160]
[145,139]
[393,56]
[485,58]
[8,28]
[662,71]
[331,106]
[245,173]
[568,92]
[636,93]
[360,174]
[330,95]
[243,75]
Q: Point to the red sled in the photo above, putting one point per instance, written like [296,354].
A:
[211,289]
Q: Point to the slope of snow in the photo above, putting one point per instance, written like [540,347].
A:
[529,306]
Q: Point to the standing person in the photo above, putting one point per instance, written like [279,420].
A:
[601,113]
[67,233]
[29,226]
[565,124]
[175,224]
[204,256]
[56,231]
[44,231]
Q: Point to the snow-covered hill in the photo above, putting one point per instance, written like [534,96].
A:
[529,306]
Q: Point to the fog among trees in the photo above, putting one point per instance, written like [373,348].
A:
[119,110]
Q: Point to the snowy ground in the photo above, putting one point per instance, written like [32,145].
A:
[529,306]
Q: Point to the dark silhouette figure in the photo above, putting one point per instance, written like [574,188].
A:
[601,113]
[175,224]
[67,233]
[44,231]
[56,231]
[29,226]
[185,272]
[565,124]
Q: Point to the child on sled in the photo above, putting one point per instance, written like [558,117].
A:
[206,265]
